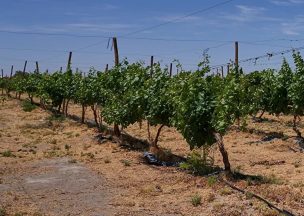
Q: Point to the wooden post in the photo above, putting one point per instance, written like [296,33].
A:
[236,54]
[151,65]
[107,68]
[222,70]
[37,67]
[24,68]
[116,56]
[2,79]
[12,71]
[69,61]
[228,68]
[170,71]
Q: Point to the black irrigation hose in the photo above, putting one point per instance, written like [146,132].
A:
[270,205]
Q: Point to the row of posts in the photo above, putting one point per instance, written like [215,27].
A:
[116,60]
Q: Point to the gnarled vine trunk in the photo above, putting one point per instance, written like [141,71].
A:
[66,107]
[295,128]
[116,130]
[83,113]
[149,132]
[154,143]
[94,109]
[223,151]
[262,113]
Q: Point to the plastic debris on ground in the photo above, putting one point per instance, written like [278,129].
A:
[151,159]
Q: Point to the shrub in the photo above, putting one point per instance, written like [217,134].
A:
[27,106]
[196,200]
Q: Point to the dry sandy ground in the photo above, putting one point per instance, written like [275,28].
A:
[135,188]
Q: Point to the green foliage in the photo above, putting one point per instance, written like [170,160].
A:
[124,86]
[27,106]
[194,106]
[196,200]
[197,105]
[296,93]
[199,163]
[56,117]
[211,181]
[158,109]
[8,153]
[231,102]
[3,212]
[281,103]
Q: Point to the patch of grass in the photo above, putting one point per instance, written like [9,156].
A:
[55,148]
[2,212]
[69,134]
[211,181]
[8,153]
[20,214]
[210,197]
[249,195]
[67,147]
[51,154]
[126,162]
[27,106]
[272,179]
[225,191]
[196,200]
[107,160]
[56,117]
[257,179]
[72,161]
[90,155]
[53,141]
[200,163]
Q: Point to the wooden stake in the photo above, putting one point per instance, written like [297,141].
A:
[222,70]
[37,67]
[24,68]
[69,61]
[2,79]
[116,56]
[151,65]
[12,70]
[228,68]
[170,71]
[236,54]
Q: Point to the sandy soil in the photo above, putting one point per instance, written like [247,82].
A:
[141,189]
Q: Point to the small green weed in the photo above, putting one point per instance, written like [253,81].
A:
[56,117]
[196,200]
[211,181]
[27,106]
[126,162]
[67,147]
[199,163]
[8,153]
[2,212]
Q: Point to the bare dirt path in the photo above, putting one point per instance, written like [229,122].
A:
[38,175]
[59,187]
